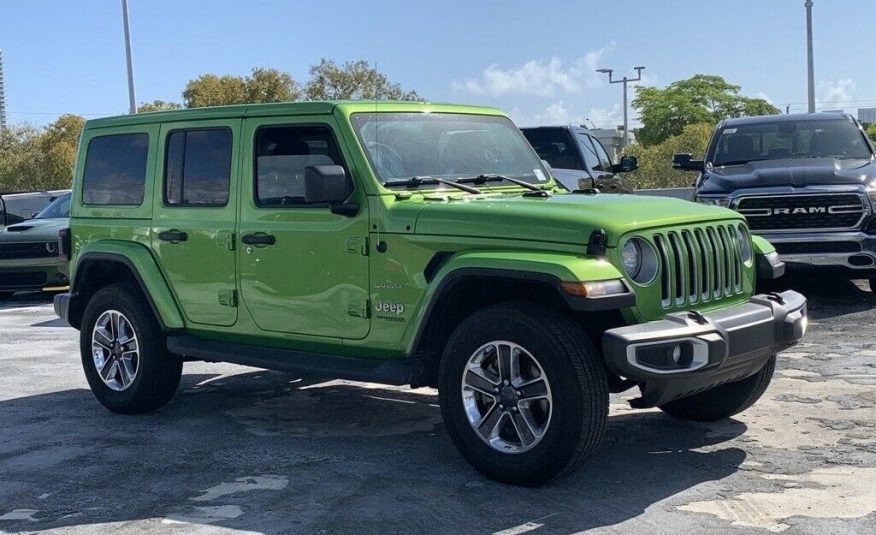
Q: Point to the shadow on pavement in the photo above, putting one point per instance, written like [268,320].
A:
[828,296]
[26,299]
[270,453]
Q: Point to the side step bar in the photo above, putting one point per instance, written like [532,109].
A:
[391,372]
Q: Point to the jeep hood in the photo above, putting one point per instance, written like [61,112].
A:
[33,230]
[796,172]
[562,218]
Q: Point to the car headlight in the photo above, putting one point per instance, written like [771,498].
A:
[713,200]
[639,260]
[631,257]
[744,243]
[51,247]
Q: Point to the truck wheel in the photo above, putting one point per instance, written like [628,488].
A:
[523,393]
[723,401]
[124,353]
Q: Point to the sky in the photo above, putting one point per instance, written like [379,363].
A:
[535,60]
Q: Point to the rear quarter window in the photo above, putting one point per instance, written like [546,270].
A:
[115,170]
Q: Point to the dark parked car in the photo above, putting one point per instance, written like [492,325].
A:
[572,151]
[806,182]
[29,258]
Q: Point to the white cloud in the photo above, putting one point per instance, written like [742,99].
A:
[559,113]
[837,92]
[761,94]
[538,77]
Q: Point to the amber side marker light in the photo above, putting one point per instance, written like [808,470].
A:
[595,288]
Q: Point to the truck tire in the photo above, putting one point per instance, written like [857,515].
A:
[723,401]
[539,414]
[124,352]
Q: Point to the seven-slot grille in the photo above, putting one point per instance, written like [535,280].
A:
[27,250]
[699,264]
[823,211]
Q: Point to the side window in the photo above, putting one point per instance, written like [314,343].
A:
[282,153]
[197,167]
[115,169]
[604,159]
[589,152]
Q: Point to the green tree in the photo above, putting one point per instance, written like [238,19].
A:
[871,131]
[31,159]
[700,99]
[655,161]
[263,85]
[354,80]
[158,105]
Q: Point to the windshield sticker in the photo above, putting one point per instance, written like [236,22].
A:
[539,175]
[729,131]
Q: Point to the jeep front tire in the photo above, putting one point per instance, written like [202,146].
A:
[124,353]
[523,393]
[723,401]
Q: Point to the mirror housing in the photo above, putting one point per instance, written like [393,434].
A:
[325,184]
[685,161]
[627,164]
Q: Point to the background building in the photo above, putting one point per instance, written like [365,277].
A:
[612,139]
[867,115]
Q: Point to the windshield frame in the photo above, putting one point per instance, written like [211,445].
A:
[540,175]
[66,197]
[712,149]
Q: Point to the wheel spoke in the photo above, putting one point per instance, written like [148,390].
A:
[488,427]
[535,389]
[108,372]
[114,326]
[479,383]
[504,362]
[124,332]
[105,341]
[525,432]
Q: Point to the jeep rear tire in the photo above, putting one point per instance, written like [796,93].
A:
[723,401]
[523,393]
[124,352]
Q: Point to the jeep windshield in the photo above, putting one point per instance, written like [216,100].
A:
[445,146]
[780,140]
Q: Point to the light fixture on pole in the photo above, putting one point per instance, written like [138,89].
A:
[810,60]
[624,81]
[128,55]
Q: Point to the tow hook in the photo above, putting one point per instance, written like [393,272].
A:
[775,296]
[697,317]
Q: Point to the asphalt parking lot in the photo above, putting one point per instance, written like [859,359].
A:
[241,450]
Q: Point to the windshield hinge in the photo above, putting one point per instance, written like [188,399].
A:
[228,298]
[356,245]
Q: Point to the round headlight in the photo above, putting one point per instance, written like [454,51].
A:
[51,247]
[631,256]
[744,243]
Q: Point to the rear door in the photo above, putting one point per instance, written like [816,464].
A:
[303,268]
[194,217]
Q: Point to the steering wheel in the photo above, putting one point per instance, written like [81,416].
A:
[388,162]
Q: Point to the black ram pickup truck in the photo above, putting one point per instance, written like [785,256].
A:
[805,182]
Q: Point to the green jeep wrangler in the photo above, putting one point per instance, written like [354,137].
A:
[410,244]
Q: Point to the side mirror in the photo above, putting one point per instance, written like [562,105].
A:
[685,161]
[325,184]
[626,165]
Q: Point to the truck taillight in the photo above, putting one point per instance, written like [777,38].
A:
[64,243]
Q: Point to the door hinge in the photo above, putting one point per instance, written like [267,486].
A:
[228,298]
[225,239]
[356,245]
[358,308]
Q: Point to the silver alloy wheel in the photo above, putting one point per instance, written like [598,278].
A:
[506,397]
[115,350]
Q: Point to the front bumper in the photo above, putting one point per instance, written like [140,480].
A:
[32,274]
[689,352]
[855,251]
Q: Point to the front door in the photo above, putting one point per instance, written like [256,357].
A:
[303,269]
[194,215]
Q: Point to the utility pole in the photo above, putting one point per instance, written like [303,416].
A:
[2,95]
[811,61]
[624,81]
[131,97]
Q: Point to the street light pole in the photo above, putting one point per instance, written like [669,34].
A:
[128,55]
[624,81]
[811,61]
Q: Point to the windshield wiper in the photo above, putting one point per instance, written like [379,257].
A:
[416,181]
[483,179]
